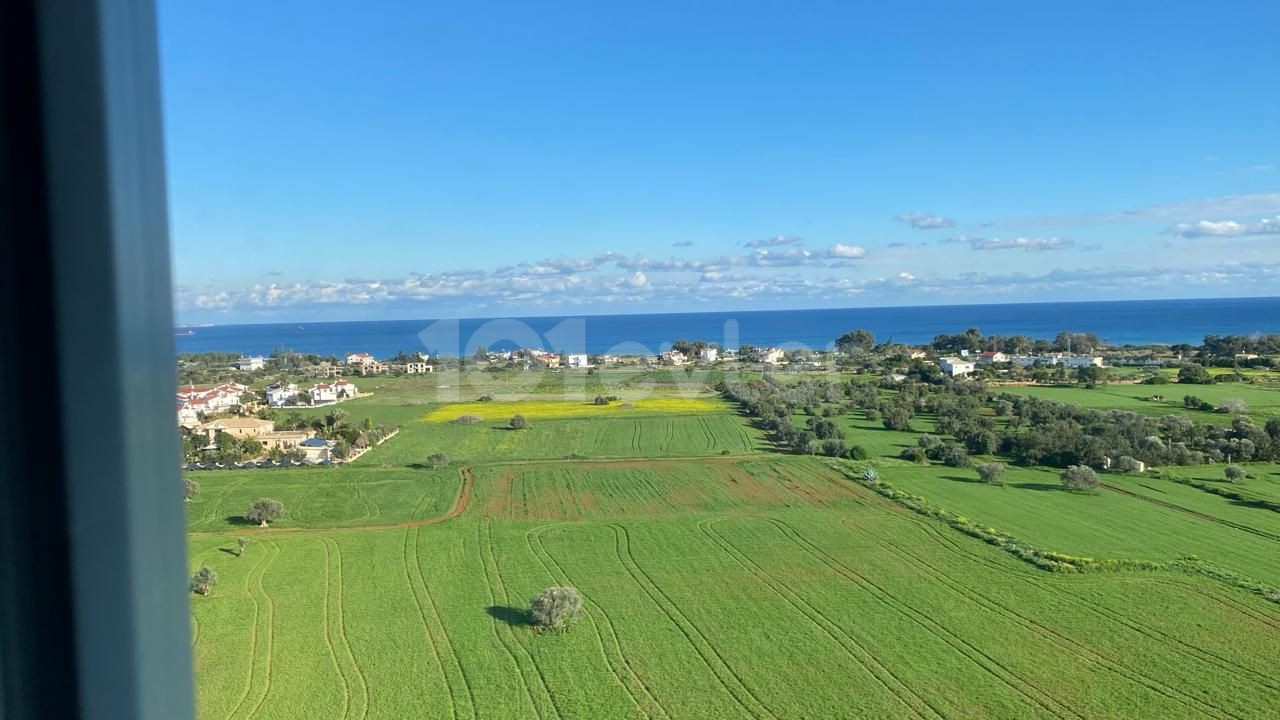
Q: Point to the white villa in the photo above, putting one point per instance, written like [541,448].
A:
[323,393]
[955,367]
[773,355]
[279,395]
[578,360]
[205,399]
[709,354]
[251,363]
[992,356]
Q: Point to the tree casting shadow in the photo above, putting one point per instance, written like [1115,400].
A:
[1036,486]
[515,617]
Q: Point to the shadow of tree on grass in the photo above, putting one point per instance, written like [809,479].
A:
[515,617]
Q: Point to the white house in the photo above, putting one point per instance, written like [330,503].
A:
[251,363]
[345,389]
[212,398]
[672,357]
[360,358]
[578,360]
[1078,361]
[279,395]
[322,393]
[709,354]
[187,415]
[955,367]
[417,368]
[992,356]
[773,356]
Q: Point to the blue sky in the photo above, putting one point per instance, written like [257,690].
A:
[380,160]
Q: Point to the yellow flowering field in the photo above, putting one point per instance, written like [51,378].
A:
[556,409]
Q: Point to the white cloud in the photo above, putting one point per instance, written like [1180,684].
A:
[1029,244]
[840,250]
[462,292]
[1225,228]
[1187,210]
[925,221]
[775,241]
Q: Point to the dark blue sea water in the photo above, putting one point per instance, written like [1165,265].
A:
[1119,322]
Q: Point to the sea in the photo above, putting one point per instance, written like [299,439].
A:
[1122,322]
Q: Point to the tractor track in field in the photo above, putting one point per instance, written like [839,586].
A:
[1053,637]
[863,657]
[271,632]
[1174,643]
[444,631]
[483,543]
[253,636]
[533,538]
[328,641]
[426,629]
[342,630]
[1194,513]
[460,503]
[750,704]
[1036,695]
[506,598]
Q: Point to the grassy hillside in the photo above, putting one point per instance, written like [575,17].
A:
[746,584]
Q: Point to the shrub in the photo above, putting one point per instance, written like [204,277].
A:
[857,452]
[190,488]
[1234,473]
[1126,463]
[914,454]
[555,608]
[264,510]
[953,455]
[1079,478]
[870,475]
[1235,406]
[518,422]
[485,398]
[991,473]
[898,419]
[469,419]
[203,580]
[437,459]
[600,400]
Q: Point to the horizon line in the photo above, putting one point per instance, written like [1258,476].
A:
[749,311]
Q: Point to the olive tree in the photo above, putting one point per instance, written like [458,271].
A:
[190,488]
[1079,478]
[203,580]
[437,459]
[264,510]
[555,608]
[1234,473]
[991,473]
[518,422]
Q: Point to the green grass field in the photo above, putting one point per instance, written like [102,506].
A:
[1262,401]
[721,580]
